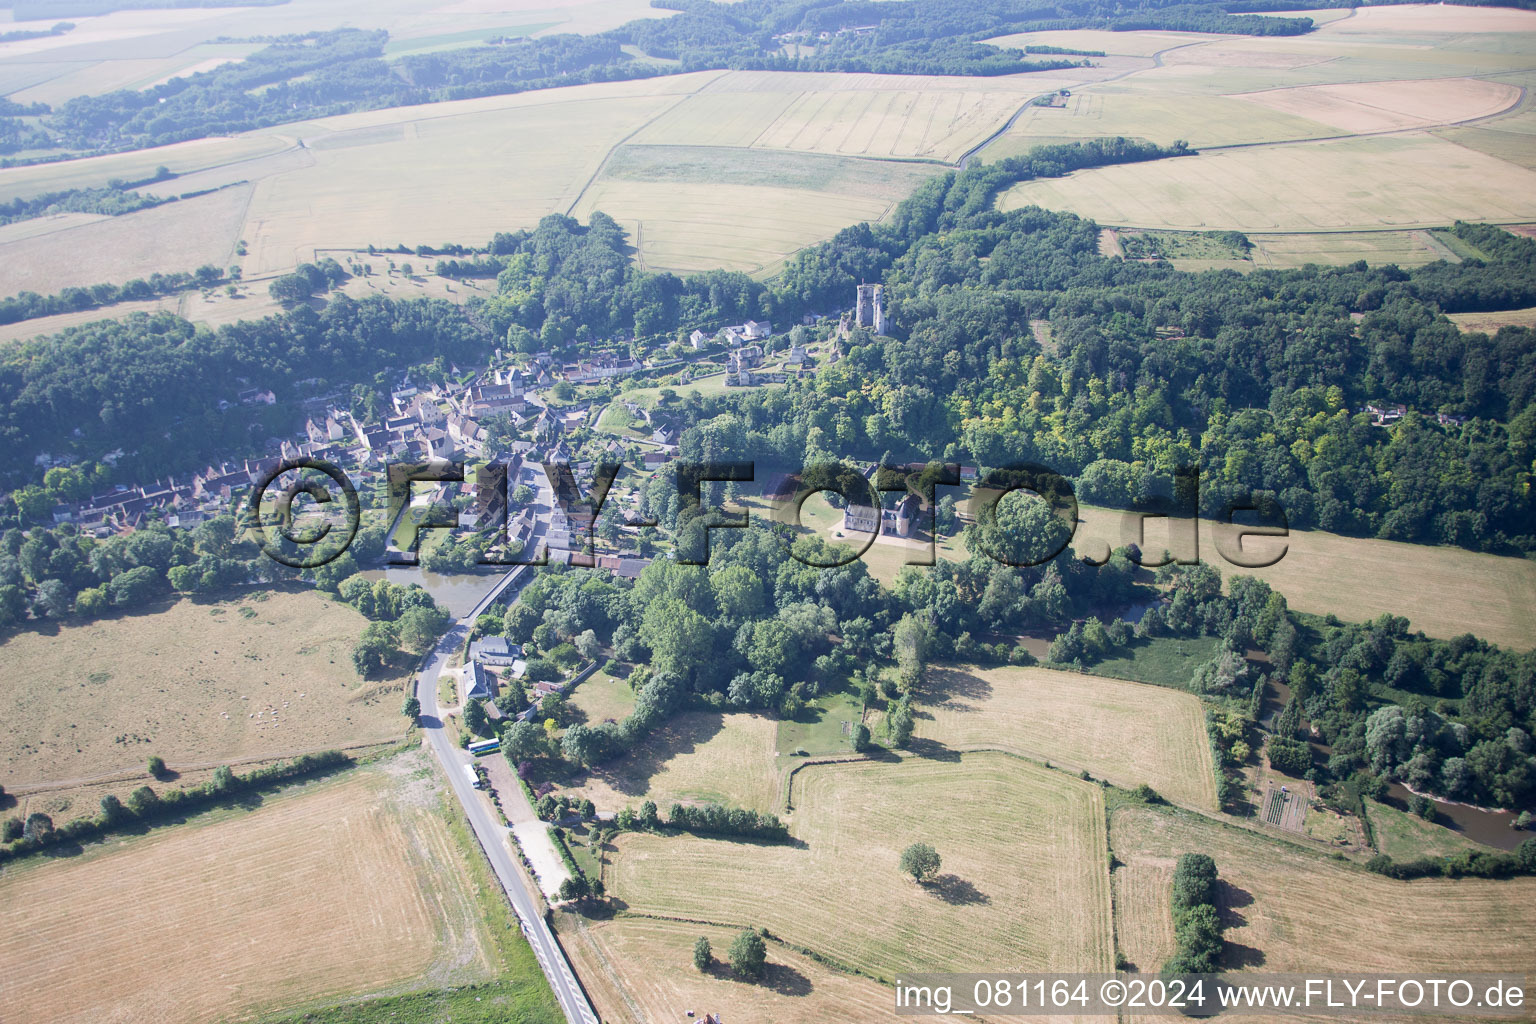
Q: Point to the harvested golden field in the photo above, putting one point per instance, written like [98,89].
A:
[935,123]
[194,683]
[1489,323]
[97,77]
[18,230]
[1159,116]
[426,175]
[1024,884]
[1133,44]
[1442,591]
[1143,935]
[179,236]
[1390,106]
[1294,909]
[1388,181]
[641,969]
[734,227]
[181,158]
[1127,733]
[1434,19]
[218,919]
[696,757]
[903,116]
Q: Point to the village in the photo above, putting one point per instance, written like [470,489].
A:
[509,411]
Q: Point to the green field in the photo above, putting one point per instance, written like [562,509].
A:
[1164,660]
[600,697]
[824,727]
[1403,836]
[1335,248]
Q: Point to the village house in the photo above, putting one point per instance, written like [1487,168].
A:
[475,682]
[1382,415]
[494,650]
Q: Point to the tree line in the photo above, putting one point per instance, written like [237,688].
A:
[29,305]
[145,807]
[1197,925]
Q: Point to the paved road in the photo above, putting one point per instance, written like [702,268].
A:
[488,828]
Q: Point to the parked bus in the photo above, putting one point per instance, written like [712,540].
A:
[469,773]
[484,747]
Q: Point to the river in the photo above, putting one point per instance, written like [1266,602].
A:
[1492,828]
[458,593]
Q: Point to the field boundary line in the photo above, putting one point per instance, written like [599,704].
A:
[591,944]
[1426,129]
[820,958]
[1063,767]
[602,164]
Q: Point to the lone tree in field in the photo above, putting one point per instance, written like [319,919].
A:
[703,956]
[748,954]
[411,708]
[921,861]
[157,766]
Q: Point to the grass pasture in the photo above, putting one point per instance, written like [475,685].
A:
[1403,836]
[696,757]
[1293,909]
[1335,248]
[1161,661]
[824,727]
[601,697]
[217,919]
[1023,885]
[1388,181]
[192,682]
[642,969]
[1443,591]
[1128,733]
